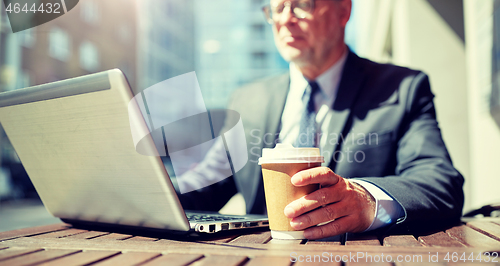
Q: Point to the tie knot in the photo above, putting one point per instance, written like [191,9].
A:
[314,87]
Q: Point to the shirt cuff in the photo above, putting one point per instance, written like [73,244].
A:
[387,210]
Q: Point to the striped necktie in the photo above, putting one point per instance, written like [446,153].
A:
[308,127]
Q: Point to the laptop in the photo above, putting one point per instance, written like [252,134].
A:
[74,139]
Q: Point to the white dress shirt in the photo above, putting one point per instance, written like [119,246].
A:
[387,209]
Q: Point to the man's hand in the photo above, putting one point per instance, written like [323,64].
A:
[348,204]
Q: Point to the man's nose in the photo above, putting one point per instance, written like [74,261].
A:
[287,15]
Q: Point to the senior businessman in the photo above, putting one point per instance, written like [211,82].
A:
[386,166]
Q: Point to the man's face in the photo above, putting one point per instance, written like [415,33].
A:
[312,39]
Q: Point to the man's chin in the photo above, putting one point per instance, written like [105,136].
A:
[292,54]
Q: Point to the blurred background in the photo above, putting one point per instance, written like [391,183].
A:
[228,44]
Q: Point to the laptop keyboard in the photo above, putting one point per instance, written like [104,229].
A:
[211,218]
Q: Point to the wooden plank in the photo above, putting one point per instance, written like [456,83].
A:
[428,263]
[368,258]
[173,259]
[472,238]
[320,263]
[471,264]
[82,258]
[15,251]
[38,257]
[291,242]
[361,240]
[323,243]
[221,260]
[224,239]
[129,258]
[488,228]
[440,239]
[141,238]
[274,261]
[360,263]
[329,241]
[112,236]
[401,241]
[256,238]
[87,235]
[311,260]
[33,231]
[202,248]
[60,234]
[177,243]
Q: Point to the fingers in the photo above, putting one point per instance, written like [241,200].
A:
[349,205]
[321,215]
[318,198]
[337,227]
[318,175]
[322,175]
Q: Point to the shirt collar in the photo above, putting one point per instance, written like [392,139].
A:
[328,81]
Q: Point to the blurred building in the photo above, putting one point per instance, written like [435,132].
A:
[427,35]
[234,46]
[150,41]
[165,40]
[90,38]
[456,43]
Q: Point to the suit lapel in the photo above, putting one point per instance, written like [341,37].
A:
[349,87]
[277,99]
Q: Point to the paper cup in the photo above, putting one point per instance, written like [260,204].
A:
[278,166]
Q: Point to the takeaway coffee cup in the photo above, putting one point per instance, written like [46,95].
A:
[278,166]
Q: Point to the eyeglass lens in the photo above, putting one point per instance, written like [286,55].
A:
[299,8]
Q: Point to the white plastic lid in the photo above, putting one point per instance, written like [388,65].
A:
[286,153]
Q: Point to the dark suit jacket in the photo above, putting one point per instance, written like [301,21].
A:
[383,131]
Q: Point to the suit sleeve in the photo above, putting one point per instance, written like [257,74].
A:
[211,198]
[215,196]
[425,183]
[211,176]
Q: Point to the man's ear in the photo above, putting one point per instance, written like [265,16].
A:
[345,7]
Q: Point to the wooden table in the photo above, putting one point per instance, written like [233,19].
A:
[60,244]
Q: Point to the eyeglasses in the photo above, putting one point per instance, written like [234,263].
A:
[300,9]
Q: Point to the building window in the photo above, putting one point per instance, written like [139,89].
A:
[59,44]
[257,2]
[259,59]
[89,11]
[258,31]
[23,79]
[27,38]
[89,56]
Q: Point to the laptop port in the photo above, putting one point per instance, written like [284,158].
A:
[237,225]
[252,224]
[211,228]
[265,223]
[225,226]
